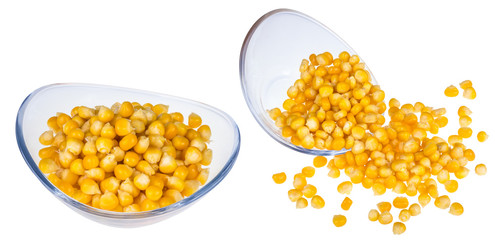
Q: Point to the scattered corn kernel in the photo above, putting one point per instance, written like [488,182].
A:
[482,136]
[346,203]
[373,215]
[404,215]
[385,217]
[451,91]
[339,220]
[401,202]
[317,202]
[345,187]
[480,169]
[399,228]
[415,209]
[279,178]
[456,209]
[384,206]
[442,202]
[469,93]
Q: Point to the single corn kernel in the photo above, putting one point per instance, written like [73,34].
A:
[384,206]
[319,161]
[465,132]
[317,202]
[415,209]
[442,202]
[464,111]
[48,165]
[301,203]
[295,194]
[469,93]
[309,191]
[299,181]
[346,204]
[451,186]
[480,169]
[108,201]
[385,217]
[451,91]
[482,136]
[456,209]
[399,228]
[465,121]
[279,178]
[424,199]
[373,215]
[404,215]
[465,84]
[345,187]
[401,202]
[308,171]
[339,220]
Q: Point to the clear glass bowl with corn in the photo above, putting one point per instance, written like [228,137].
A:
[270,63]
[124,157]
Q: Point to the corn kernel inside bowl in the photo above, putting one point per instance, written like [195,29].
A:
[127,157]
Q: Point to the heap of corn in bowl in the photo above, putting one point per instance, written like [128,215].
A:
[126,158]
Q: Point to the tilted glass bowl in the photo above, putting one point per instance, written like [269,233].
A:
[48,100]
[269,64]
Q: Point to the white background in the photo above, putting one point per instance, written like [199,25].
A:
[191,49]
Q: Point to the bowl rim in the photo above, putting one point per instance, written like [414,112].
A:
[124,215]
[242,73]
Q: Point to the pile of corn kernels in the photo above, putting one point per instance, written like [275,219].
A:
[126,158]
[334,106]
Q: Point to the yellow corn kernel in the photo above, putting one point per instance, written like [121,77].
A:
[279,178]
[48,165]
[480,169]
[465,84]
[424,199]
[344,187]
[451,91]
[181,172]
[153,193]
[451,186]
[110,184]
[378,188]
[301,203]
[399,228]
[299,181]
[90,187]
[190,187]
[309,191]
[469,93]
[385,217]
[98,174]
[295,194]
[346,204]
[442,202]
[339,220]
[203,176]
[456,209]
[464,111]
[415,209]
[404,215]
[141,181]
[384,206]
[308,171]
[319,161]
[482,136]
[465,121]
[108,163]
[317,202]
[401,202]
[175,183]
[465,132]
[180,142]
[373,215]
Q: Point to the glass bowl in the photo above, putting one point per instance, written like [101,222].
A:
[48,100]
[269,64]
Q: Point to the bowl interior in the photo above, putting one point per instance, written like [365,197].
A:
[47,101]
[269,64]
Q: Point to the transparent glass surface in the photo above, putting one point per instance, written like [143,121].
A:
[269,64]
[46,101]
